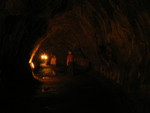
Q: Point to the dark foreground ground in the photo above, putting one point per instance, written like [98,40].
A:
[88,92]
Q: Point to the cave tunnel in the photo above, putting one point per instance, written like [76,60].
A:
[109,42]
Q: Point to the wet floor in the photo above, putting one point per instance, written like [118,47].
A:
[50,84]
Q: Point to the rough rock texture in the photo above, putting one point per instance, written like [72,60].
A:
[113,35]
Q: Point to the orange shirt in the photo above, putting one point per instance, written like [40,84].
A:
[53,60]
[70,59]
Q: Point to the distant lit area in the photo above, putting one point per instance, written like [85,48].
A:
[44,57]
[41,66]
[49,61]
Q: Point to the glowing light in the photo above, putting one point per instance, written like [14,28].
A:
[32,65]
[33,53]
[44,57]
[30,61]
[39,42]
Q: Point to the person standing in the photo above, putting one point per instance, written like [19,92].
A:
[53,64]
[70,63]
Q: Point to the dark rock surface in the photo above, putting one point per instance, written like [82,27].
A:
[110,36]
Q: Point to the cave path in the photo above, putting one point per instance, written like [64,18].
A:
[80,93]
[88,92]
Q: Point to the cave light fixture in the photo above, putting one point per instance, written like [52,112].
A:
[44,57]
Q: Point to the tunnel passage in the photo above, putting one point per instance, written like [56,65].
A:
[105,33]
[57,44]
[112,37]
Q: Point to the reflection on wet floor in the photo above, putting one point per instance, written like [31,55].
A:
[44,74]
[49,84]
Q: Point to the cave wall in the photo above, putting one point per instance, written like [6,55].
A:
[112,35]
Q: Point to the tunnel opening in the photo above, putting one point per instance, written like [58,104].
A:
[45,49]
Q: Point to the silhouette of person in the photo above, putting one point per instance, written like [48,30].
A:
[53,64]
[70,63]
